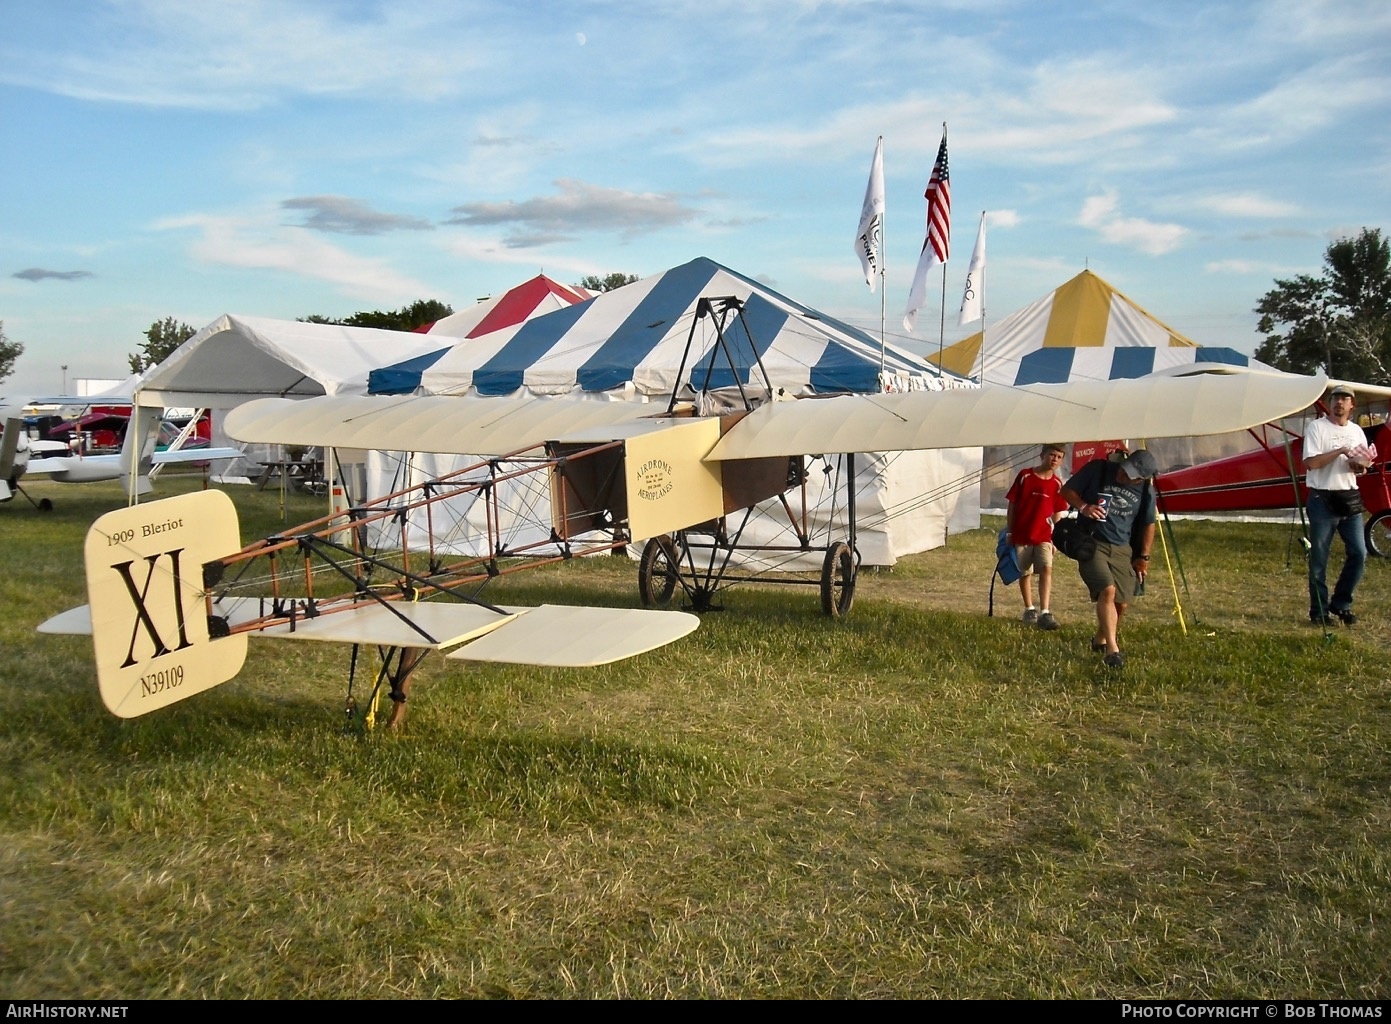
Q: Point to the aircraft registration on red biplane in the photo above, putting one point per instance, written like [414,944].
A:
[174,597]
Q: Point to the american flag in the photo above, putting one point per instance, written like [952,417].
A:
[938,196]
[937,243]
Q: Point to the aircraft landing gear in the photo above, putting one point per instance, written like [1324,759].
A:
[838,574]
[396,666]
[657,572]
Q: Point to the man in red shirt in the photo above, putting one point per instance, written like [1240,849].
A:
[1035,503]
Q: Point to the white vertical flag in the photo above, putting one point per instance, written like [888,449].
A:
[971,299]
[870,239]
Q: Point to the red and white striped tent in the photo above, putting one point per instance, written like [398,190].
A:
[526,300]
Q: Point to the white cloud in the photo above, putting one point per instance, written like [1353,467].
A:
[258,242]
[1002,218]
[490,252]
[242,54]
[1247,204]
[1060,113]
[1302,102]
[1102,214]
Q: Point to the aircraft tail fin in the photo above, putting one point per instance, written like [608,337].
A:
[138,448]
[153,641]
[9,448]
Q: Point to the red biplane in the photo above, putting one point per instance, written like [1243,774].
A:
[1271,476]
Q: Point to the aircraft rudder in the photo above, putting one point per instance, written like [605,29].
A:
[150,629]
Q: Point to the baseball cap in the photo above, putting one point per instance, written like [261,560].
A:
[1342,389]
[1140,465]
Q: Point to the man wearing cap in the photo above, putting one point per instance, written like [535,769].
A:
[1119,502]
[1335,455]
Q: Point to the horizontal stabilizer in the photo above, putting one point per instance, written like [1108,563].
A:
[78,621]
[560,636]
[425,625]
[73,622]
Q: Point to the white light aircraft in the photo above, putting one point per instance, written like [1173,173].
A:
[21,456]
[174,598]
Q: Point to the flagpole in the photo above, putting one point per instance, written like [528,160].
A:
[982,319]
[982,308]
[883,288]
[883,281]
[869,242]
[973,299]
[942,325]
[937,243]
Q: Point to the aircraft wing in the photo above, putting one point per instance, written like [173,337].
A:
[197,455]
[429,423]
[1083,411]
[82,469]
[1143,407]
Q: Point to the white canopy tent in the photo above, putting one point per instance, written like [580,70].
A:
[237,358]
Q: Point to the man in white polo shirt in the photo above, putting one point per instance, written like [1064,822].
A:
[1335,455]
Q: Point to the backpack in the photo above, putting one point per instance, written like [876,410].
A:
[1073,536]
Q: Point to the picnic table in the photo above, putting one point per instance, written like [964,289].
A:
[297,474]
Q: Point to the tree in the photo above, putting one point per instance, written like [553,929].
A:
[407,318]
[595,283]
[162,338]
[9,352]
[1339,321]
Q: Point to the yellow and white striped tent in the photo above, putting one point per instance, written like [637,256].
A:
[1082,330]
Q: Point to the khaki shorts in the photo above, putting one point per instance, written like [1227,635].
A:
[1034,557]
[1110,567]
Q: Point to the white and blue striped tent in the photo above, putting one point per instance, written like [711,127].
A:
[628,344]
[633,338]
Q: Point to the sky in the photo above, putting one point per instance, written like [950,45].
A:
[283,158]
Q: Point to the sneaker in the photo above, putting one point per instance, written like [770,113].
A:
[1116,660]
[1098,645]
[1030,616]
[1323,620]
[1346,615]
[1046,621]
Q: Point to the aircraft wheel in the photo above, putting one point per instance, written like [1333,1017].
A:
[45,505]
[1379,534]
[657,571]
[838,580]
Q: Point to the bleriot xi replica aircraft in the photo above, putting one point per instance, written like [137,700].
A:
[174,598]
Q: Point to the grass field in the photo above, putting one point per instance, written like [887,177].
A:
[916,801]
